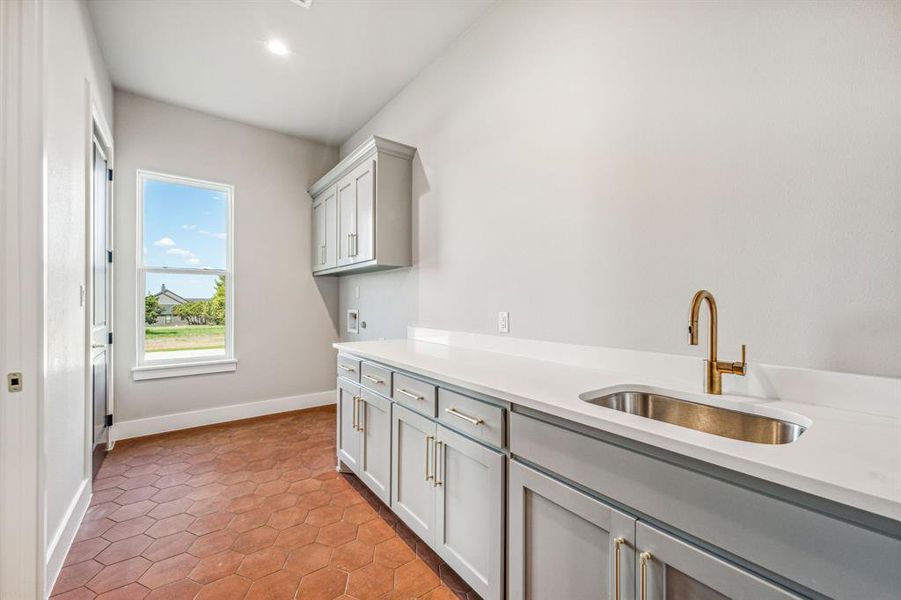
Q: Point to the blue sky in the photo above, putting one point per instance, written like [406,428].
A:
[184,227]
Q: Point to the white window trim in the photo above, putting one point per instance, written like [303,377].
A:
[183,366]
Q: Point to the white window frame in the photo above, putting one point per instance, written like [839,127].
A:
[177,367]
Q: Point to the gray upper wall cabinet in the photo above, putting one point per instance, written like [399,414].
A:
[362,211]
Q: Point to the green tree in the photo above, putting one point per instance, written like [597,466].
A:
[217,302]
[152,309]
[194,313]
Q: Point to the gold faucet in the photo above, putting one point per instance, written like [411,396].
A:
[713,382]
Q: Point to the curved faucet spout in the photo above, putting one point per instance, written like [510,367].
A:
[713,382]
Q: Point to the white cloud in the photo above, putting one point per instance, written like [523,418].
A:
[189,227]
[193,261]
[179,252]
[165,242]
[218,236]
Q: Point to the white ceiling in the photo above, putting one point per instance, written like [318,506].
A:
[348,57]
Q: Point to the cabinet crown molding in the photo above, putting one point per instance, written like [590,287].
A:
[372,145]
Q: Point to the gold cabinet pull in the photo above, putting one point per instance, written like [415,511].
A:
[453,411]
[375,380]
[644,557]
[346,368]
[428,442]
[360,413]
[617,551]
[408,394]
[438,458]
[353,419]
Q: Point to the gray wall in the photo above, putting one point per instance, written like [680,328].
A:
[285,320]
[587,166]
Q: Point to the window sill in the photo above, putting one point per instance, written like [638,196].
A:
[161,371]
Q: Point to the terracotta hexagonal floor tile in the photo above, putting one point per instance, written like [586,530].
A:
[415,578]
[305,486]
[287,517]
[325,515]
[251,519]
[210,523]
[298,535]
[124,549]
[232,587]
[183,589]
[127,529]
[337,533]
[324,584]
[212,543]
[352,555]
[279,501]
[375,531]
[77,575]
[168,570]
[170,545]
[441,593]
[86,550]
[370,582]
[271,488]
[359,514]
[170,525]
[130,511]
[136,495]
[132,591]
[93,529]
[307,559]
[393,553]
[282,584]
[262,563]
[216,566]
[255,539]
[171,508]
[119,574]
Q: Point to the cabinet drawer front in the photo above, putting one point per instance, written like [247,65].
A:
[376,378]
[415,394]
[348,367]
[477,419]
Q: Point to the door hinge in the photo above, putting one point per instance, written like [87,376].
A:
[109,256]
[109,174]
[109,420]
[109,338]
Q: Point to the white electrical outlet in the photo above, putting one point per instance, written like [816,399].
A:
[503,322]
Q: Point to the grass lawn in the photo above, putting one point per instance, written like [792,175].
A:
[186,337]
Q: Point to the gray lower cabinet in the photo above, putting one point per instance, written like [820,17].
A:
[469,531]
[672,569]
[348,435]
[412,471]
[565,544]
[374,423]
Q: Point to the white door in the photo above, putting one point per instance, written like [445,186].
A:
[375,450]
[565,544]
[356,215]
[319,246]
[413,472]
[469,530]
[348,432]
[100,308]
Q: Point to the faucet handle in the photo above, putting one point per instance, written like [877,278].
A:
[740,368]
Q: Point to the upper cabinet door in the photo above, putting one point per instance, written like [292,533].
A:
[469,531]
[319,243]
[565,544]
[670,569]
[330,225]
[347,220]
[356,215]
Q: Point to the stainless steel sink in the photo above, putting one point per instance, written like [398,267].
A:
[701,417]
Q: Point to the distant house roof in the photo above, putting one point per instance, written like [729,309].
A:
[171,295]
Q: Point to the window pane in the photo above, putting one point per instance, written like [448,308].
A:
[184,225]
[184,316]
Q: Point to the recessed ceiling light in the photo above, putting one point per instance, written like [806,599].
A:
[277,47]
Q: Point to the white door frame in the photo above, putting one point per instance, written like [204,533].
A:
[22,340]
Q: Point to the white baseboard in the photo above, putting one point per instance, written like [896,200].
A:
[65,534]
[221,414]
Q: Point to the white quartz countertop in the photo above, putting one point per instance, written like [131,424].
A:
[848,457]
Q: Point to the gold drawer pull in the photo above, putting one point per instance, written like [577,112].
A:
[467,418]
[438,457]
[409,394]
[645,557]
[346,368]
[618,546]
[375,380]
